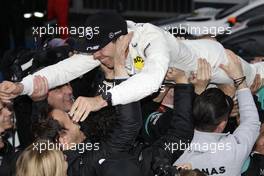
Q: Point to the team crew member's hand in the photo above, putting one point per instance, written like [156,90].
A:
[173,74]
[84,105]
[201,79]
[234,68]
[10,90]
[176,75]
[256,84]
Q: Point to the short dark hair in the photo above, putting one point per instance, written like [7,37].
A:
[210,109]
[47,129]
[99,125]
[44,127]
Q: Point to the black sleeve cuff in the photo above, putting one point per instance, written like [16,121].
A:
[119,81]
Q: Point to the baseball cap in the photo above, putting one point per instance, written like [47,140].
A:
[100,29]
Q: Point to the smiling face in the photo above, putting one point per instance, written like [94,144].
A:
[61,98]
[72,132]
[106,55]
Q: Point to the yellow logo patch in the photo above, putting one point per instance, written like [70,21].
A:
[138,62]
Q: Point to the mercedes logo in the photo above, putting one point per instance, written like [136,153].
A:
[89,35]
[111,35]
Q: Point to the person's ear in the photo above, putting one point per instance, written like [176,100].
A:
[220,128]
[64,142]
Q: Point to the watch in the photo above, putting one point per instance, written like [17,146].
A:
[107,96]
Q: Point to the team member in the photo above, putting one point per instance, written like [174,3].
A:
[211,111]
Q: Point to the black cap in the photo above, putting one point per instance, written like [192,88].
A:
[101,29]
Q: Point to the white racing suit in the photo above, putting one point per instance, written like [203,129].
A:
[151,51]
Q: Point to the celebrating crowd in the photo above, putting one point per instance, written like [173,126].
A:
[133,100]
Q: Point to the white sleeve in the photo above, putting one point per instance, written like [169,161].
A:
[149,79]
[247,132]
[62,72]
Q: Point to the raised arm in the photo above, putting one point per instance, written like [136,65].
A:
[129,116]
[55,75]
[62,72]
[127,129]
[180,130]
[248,130]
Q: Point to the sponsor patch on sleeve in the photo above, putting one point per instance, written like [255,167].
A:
[138,63]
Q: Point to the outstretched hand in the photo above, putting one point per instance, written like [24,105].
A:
[256,85]
[84,105]
[234,70]
[234,67]
[201,79]
[10,90]
[176,75]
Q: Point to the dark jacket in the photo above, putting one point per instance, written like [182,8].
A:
[164,151]
[8,157]
[256,166]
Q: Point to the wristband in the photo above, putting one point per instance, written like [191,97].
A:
[239,81]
